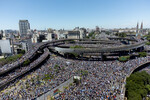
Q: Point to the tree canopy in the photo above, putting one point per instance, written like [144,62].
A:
[124,58]
[121,34]
[142,54]
[27,62]
[9,59]
[137,86]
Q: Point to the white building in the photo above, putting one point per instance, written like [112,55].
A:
[50,36]
[5,47]
[34,38]
[127,30]
[8,33]
[70,34]
[61,34]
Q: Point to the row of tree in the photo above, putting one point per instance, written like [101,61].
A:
[12,58]
[147,36]
[126,58]
[9,59]
[121,34]
[138,86]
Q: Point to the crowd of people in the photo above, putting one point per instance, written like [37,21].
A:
[18,72]
[92,45]
[105,79]
[19,61]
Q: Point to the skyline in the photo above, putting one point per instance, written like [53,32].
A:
[68,14]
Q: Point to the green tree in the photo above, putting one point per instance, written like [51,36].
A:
[27,62]
[142,54]
[148,87]
[148,43]
[9,59]
[122,34]
[22,51]
[91,34]
[108,33]
[134,96]
[124,58]
[137,85]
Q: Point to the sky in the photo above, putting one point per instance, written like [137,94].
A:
[68,14]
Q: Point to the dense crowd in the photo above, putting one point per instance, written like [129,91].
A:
[101,45]
[14,74]
[22,59]
[92,45]
[105,79]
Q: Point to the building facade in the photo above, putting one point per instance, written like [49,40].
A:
[24,26]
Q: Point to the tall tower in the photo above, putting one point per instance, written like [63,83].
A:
[24,26]
[141,29]
[142,26]
[137,28]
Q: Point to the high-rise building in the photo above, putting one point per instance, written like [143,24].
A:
[141,30]
[24,26]
[142,26]
[137,28]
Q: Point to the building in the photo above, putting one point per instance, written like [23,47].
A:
[26,44]
[127,30]
[1,34]
[9,33]
[24,26]
[61,34]
[141,29]
[5,47]
[41,37]
[137,28]
[50,36]
[73,35]
[139,32]
[77,33]
[34,38]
